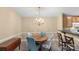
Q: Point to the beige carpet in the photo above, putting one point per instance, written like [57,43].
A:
[24,46]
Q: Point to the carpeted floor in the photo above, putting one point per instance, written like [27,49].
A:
[24,46]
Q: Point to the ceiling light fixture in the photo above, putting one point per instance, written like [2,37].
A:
[39,20]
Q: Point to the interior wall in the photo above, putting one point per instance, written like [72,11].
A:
[10,22]
[60,22]
[50,25]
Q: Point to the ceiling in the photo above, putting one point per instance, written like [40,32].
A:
[46,11]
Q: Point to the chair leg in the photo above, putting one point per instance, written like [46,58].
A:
[59,43]
[62,47]
[19,47]
[74,47]
[50,49]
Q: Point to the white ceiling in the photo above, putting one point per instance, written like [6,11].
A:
[46,11]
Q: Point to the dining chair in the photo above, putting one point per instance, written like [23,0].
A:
[69,43]
[32,45]
[47,45]
[62,41]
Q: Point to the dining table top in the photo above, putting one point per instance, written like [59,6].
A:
[40,39]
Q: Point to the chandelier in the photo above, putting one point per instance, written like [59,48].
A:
[39,20]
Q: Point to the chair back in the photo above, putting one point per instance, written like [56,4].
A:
[31,44]
[60,37]
[62,41]
[70,43]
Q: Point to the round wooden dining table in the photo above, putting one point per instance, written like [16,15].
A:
[40,39]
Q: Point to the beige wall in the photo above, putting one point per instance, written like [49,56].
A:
[10,23]
[60,22]
[49,26]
